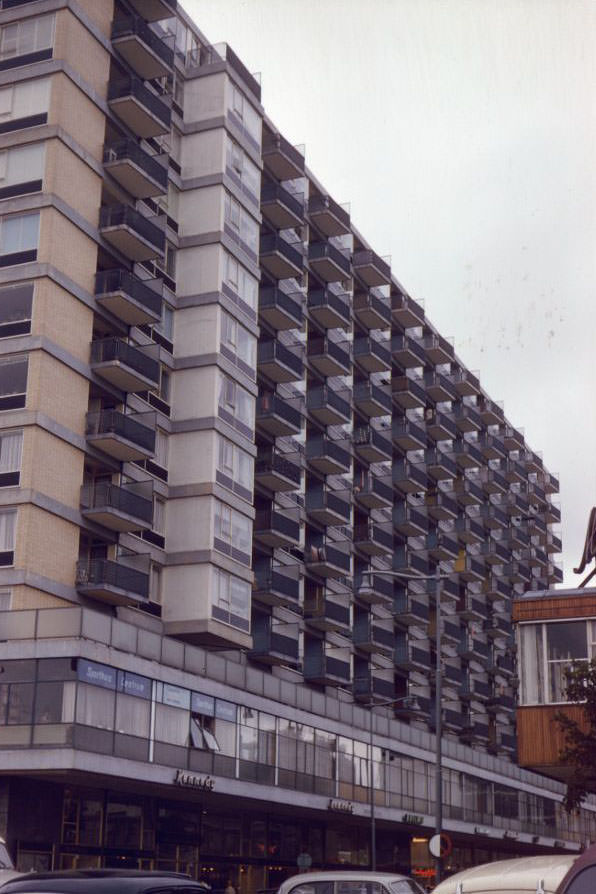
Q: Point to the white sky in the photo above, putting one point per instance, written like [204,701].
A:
[463,135]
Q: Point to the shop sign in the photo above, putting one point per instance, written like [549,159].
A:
[97,674]
[340,806]
[412,819]
[191,780]
[133,684]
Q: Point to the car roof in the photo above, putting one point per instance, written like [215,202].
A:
[101,880]
[519,874]
[341,875]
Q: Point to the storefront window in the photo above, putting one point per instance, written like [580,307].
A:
[95,706]
[124,825]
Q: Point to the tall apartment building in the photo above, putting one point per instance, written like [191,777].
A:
[222,419]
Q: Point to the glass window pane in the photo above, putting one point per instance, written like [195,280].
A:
[48,702]
[20,703]
[567,641]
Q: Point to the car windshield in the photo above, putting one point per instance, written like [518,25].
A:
[405,886]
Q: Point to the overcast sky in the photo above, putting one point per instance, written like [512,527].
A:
[463,135]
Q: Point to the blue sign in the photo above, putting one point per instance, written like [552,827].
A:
[133,684]
[97,674]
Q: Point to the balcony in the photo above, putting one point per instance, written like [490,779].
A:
[440,506]
[551,483]
[129,298]
[371,354]
[406,312]
[370,637]
[141,110]
[472,569]
[155,10]
[325,669]
[494,552]
[328,217]
[494,588]
[274,528]
[124,437]
[442,546]
[408,521]
[441,427]
[328,357]
[371,444]
[273,587]
[408,435]
[111,582]
[372,310]
[276,473]
[409,477]
[329,309]
[465,383]
[407,352]
[139,173]
[370,491]
[323,613]
[141,48]
[276,416]
[325,405]
[408,393]
[512,438]
[327,507]
[277,362]
[270,646]
[371,687]
[498,626]
[467,455]
[280,310]
[492,447]
[280,207]
[409,612]
[372,539]
[126,508]
[437,349]
[491,413]
[412,656]
[468,531]
[373,589]
[371,400]
[439,387]
[466,418]
[281,259]
[370,268]
[135,236]
[471,649]
[407,561]
[471,609]
[328,262]
[327,561]
[282,159]
[327,456]
[467,492]
[439,465]
[123,365]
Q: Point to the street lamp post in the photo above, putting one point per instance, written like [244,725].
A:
[438,578]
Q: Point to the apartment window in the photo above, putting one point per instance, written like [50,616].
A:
[231,600]
[8,519]
[5,600]
[19,236]
[241,226]
[242,170]
[156,535]
[28,41]
[160,397]
[243,286]
[21,170]
[246,115]
[234,468]
[238,345]
[11,446]
[161,449]
[168,264]
[24,105]
[236,406]
[15,310]
[13,382]
[566,643]
[233,533]
[155,585]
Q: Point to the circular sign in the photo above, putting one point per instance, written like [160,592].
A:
[440,845]
[304,861]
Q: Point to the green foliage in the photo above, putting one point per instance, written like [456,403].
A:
[580,745]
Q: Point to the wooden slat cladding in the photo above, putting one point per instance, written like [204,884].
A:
[539,736]
[555,608]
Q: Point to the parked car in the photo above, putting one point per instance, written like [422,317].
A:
[553,874]
[7,870]
[104,881]
[349,883]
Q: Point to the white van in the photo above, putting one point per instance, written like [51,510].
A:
[347,882]
[554,874]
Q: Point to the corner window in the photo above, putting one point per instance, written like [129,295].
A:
[24,105]
[234,468]
[231,600]
[28,41]
[16,305]
[233,533]
[13,382]
[21,170]
[19,237]
[241,226]
[241,286]
[242,170]
[11,446]
[238,345]
[236,406]
[246,115]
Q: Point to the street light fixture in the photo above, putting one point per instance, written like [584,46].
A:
[438,577]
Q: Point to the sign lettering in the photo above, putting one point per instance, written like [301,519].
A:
[340,806]
[191,780]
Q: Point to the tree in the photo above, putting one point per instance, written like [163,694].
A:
[579,752]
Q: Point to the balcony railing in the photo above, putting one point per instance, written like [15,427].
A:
[327,455]
[108,425]
[281,310]
[272,244]
[134,27]
[114,581]
[130,151]
[104,498]
[127,296]
[278,362]
[371,443]
[275,464]
[328,261]
[277,415]
[144,239]
[131,90]
[116,351]
[328,308]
